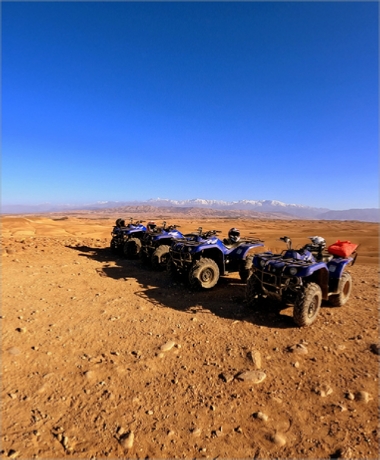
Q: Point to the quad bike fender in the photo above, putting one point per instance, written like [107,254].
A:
[213,253]
[168,236]
[309,270]
[241,251]
[211,243]
[321,277]
[135,233]
[337,266]
[175,234]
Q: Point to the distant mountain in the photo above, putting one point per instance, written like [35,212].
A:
[365,215]
[271,208]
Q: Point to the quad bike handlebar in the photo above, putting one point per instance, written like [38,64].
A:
[209,233]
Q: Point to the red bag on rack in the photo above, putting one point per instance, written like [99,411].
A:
[342,248]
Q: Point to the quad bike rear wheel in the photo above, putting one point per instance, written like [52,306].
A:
[253,292]
[204,274]
[345,287]
[245,269]
[307,305]
[160,257]
[132,248]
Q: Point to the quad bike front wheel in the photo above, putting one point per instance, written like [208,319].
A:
[144,257]
[245,268]
[113,246]
[173,271]
[132,248]
[160,257]
[253,292]
[204,274]
[307,305]
[345,287]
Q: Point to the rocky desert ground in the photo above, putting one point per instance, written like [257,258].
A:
[105,358]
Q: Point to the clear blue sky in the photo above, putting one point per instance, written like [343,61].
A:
[230,101]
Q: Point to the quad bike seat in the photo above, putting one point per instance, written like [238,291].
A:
[230,245]
[324,257]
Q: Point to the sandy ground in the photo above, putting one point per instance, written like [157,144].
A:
[102,357]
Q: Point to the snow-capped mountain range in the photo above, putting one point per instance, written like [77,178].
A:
[262,206]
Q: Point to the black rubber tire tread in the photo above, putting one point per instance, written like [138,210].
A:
[160,257]
[310,297]
[245,269]
[145,259]
[132,248]
[172,271]
[345,284]
[253,292]
[113,246]
[199,268]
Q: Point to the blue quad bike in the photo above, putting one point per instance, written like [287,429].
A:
[155,245]
[123,233]
[203,258]
[302,278]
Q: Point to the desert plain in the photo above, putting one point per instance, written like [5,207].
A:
[105,358]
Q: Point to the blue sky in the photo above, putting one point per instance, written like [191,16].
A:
[215,100]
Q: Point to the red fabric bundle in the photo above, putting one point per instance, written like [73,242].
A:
[342,248]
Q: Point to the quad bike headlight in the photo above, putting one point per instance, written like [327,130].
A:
[262,263]
[332,268]
[293,271]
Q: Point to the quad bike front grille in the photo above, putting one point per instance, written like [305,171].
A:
[181,258]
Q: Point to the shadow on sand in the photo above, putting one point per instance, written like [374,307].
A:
[226,299]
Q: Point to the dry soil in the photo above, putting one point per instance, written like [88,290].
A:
[102,357]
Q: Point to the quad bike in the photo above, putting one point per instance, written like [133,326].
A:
[202,258]
[117,240]
[122,233]
[155,245]
[303,277]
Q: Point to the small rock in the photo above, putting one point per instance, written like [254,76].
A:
[299,349]
[127,440]
[278,439]
[196,432]
[255,357]
[260,416]
[226,377]
[323,390]
[350,396]
[167,346]
[363,396]
[89,374]
[21,329]
[375,348]
[218,433]
[252,376]
[344,452]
